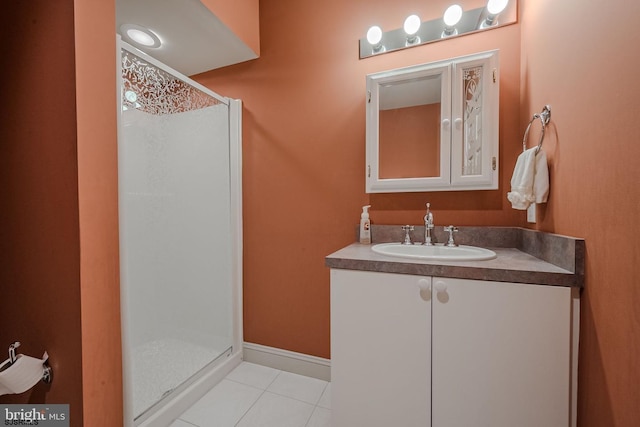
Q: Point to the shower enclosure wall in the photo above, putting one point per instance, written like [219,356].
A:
[180,238]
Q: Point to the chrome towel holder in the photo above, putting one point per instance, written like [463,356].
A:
[545,117]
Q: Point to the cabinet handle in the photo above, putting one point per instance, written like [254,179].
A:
[441,291]
[423,285]
[446,124]
[458,123]
[425,289]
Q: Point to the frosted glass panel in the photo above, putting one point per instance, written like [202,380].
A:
[472,93]
[175,228]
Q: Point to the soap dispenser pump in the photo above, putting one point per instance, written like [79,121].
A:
[365,226]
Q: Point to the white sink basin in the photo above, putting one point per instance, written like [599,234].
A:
[436,253]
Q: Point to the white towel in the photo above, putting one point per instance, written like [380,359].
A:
[530,180]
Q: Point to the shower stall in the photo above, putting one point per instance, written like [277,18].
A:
[180,238]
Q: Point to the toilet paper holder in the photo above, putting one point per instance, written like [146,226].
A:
[12,352]
[20,372]
[47,375]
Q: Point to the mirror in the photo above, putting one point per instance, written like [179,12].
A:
[409,126]
[434,127]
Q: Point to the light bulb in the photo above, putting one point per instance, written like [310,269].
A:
[494,7]
[374,35]
[412,24]
[452,15]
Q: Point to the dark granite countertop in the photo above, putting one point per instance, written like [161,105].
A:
[523,256]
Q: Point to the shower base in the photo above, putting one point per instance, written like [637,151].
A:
[162,365]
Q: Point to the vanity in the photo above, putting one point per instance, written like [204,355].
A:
[444,343]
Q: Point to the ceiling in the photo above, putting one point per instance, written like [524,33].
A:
[193,39]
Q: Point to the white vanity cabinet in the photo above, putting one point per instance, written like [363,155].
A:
[420,351]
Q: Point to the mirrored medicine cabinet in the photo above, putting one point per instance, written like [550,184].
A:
[434,127]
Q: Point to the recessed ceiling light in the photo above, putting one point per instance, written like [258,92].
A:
[140,35]
[131,96]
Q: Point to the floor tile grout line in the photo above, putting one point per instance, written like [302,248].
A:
[248,385]
[313,412]
[323,392]
[273,380]
[310,416]
[293,398]
[287,397]
[265,390]
[185,421]
[250,407]
[259,397]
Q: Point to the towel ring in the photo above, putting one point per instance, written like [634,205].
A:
[545,117]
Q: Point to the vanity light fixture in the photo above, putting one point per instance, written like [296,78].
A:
[457,21]
[140,35]
[374,37]
[411,27]
[494,8]
[451,17]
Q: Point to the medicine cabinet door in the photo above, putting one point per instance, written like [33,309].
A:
[474,146]
[409,128]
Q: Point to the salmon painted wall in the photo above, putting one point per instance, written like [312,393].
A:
[39,237]
[96,71]
[409,143]
[304,153]
[241,16]
[582,59]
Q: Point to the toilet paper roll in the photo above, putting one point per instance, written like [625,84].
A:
[25,372]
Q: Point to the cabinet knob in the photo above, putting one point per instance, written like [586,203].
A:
[423,285]
[458,123]
[446,124]
[441,291]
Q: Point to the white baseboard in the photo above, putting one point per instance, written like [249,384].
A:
[290,361]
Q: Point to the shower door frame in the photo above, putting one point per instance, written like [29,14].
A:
[184,396]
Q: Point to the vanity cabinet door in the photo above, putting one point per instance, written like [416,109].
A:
[501,354]
[380,349]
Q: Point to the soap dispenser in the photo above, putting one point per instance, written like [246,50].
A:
[365,226]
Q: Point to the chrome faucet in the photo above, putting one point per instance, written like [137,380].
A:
[428,227]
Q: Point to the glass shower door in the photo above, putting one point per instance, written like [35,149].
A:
[175,237]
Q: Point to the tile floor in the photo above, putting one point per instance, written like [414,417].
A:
[254,395]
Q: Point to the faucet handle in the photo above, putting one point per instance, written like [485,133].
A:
[407,237]
[451,229]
